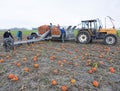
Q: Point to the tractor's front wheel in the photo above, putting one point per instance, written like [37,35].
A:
[83,37]
[110,39]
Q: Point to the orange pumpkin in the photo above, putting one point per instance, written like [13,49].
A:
[18,64]
[24,59]
[53,57]
[111,69]
[11,76]
[8,56]
[55,31]
[83,58]
[42,29]
[35,59]
[1,60]
[15,78]
[54,82]
[64,61]
[63,88]
[36,65]
[101,56]
[94,69]
[55,71]
[26,69]
[95,83]
[90,71]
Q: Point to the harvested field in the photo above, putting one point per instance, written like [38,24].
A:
[67,63]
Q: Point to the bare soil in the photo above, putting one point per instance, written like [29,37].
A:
[71,61]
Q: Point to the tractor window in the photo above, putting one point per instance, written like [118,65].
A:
[92,25]
[85,25]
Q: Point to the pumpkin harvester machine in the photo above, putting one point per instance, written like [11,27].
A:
[90,30]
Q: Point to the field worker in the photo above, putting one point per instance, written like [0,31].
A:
[7,36]
[51,26]
[19,35]
[63,34]
[58,26]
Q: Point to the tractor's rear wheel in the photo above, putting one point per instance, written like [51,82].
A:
[110,39]
[83,37]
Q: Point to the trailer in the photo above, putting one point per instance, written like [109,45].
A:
[55,33]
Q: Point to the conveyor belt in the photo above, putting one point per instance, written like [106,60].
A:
[42,37]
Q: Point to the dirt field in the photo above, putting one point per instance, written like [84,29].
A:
[62,62]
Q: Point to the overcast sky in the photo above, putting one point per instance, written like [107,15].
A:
[33,13]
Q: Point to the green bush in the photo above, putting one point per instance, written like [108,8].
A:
[118,33]
[24,32]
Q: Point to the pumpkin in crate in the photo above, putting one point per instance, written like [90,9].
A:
[55,32]
[44,28]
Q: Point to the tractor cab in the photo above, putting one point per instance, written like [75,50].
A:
[93,26]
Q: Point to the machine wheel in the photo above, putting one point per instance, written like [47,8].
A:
[110,39]
[34,35]
[8,45]
[83,37]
